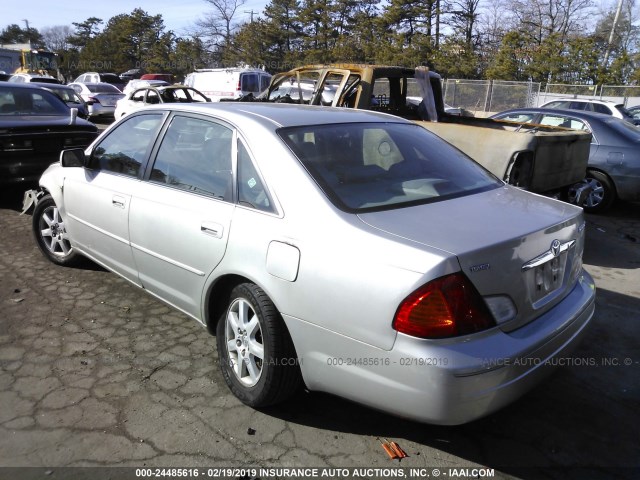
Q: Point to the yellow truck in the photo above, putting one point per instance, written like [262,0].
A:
[537,158]
[21,58]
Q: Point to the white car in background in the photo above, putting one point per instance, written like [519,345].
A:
[137,83]
[605,107]
[146,96]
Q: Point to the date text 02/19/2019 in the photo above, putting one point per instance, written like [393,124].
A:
[384,361]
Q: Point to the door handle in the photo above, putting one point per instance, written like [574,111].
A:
[212,228]
[118,201]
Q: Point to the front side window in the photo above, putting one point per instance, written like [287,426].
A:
[372,166]
[195,155]
[296,88]
[138,96]
[126,147]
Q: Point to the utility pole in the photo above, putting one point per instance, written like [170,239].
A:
[28,32]
[613,31]
[251,12]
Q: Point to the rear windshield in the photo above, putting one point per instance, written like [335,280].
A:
[102,88]
[376,166]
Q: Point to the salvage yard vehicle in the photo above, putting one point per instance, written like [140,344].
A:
[350,250]
[35,126]
[544,160]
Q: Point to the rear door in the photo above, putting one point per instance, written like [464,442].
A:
[180,218]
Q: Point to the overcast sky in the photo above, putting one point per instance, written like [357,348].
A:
[178,15]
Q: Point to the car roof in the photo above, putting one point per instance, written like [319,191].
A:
[29,85]
[584,100]
[51,85]
[276,115]
[561,111]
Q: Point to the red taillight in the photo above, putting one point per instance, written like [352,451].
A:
[92,100]
[446,307]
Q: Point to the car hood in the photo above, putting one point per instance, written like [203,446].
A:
[496,235]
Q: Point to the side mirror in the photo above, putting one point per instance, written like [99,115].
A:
[74,157]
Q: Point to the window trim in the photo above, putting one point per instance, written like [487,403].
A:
[275,210]
[144,163]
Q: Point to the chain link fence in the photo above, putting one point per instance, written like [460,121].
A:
[485,97]
[626,95]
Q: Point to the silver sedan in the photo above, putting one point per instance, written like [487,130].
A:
[350,251]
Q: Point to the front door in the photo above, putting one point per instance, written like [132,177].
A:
[98,198]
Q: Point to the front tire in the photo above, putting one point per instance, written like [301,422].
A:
[601,196]
[51,235]
[257,357]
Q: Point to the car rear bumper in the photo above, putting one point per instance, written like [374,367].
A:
[96,110]
[446,382]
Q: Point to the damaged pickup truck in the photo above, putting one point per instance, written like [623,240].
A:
[541,159]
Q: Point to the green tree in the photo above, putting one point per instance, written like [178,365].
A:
[127,41]
[510,62]
[85,31]
[319,30]
[15,34]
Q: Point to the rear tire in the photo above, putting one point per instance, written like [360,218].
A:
[602,195]
[51,235]
[257,357]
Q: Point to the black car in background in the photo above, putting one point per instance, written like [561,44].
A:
[35,126]
[68,95]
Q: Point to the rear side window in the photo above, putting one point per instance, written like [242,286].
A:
[601,109]
[195,155]
[580,106]
[125,148]
[251,189]
[373,166]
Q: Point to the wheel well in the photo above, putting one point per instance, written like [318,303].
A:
[217,298]
[602,172]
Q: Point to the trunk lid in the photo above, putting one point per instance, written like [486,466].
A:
[508,243]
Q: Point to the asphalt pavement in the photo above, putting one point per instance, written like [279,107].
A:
[96,373]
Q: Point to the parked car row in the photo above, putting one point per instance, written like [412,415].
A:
[613,164]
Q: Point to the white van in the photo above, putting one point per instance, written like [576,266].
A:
[233,83]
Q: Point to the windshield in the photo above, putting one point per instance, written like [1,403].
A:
[42,60]
[14,101]
[376,166]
